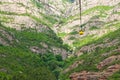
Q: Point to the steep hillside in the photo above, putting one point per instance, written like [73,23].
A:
[96,21]
[100,59]
[27,52]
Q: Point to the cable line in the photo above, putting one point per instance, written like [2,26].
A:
[81,32]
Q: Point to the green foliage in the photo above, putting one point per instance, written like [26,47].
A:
[115,76]
[93,28]
[73,33]
[8,13]
[117,13]
[3,76]
[97,8]
[50,18]
[29,37]
[72,38]
[70,1]
[18,64]
[38,4]
[55,62]
[41,73]
[62,34]
[5,19]
[59,58]
[85,40]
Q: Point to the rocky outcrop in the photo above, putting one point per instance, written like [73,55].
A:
[101,75]
[84,75]
[61,51]
[55,50]
[92,47]
[108,61]
[3,42]
[37,50]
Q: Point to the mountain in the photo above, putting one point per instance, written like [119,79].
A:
[39,40]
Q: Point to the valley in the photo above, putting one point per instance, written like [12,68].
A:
[39,40]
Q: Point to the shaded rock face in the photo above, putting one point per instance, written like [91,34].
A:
[74,65]
[108,61]
[101,75]
[6,38]
[3,42]
[95,75]
[108,53]
[84,75]
[54,50]
[92,47]
[61,51]
[37,50]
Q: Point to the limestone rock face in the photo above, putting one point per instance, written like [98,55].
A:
[54,50]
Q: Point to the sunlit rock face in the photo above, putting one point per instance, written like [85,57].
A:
[19,14]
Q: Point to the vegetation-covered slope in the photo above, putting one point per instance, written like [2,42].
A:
[97,57]
[29,55]
[17,64]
